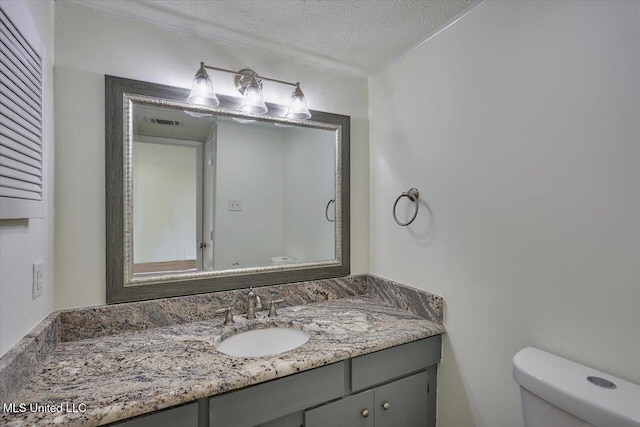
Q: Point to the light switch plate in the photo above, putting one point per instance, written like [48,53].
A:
[38,280]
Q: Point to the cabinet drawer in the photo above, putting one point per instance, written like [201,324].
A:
[274,399]
[381,366]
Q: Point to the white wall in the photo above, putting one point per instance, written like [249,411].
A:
[23,242]
[522,132]
[284,177]
[164,212]
[249,167]
[91,44]
[309,185]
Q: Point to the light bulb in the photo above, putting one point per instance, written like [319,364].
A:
[202,90]
[252,102]
[298,106]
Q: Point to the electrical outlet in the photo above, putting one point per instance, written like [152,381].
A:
[235,204]
[38,280]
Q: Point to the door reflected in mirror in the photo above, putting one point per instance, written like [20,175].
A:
[211,193]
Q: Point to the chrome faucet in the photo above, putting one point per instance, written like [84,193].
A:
[253,304]
[228,318]
[272,306]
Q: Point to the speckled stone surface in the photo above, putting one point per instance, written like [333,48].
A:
[420,303]
[92,322]
[130,359]
[23,359]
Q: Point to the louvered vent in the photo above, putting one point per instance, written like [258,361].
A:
[20,124]
[164,122]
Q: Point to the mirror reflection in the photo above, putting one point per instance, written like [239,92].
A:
[218,193]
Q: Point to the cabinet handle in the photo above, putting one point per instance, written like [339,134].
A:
[365,413]
[386,406]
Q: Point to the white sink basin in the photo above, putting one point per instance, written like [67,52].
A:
[263,342]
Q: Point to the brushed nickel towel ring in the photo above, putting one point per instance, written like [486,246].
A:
[413,194]
[326,211]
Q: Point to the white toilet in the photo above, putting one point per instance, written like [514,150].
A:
[557,392]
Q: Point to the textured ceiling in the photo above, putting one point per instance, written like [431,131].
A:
[354,36]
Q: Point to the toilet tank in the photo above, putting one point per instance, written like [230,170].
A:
[560,393]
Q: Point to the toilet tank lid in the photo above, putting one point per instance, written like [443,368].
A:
[564,384]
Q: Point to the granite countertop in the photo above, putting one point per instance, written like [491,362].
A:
[123,375]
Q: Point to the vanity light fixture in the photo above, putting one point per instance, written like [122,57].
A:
[249,84]
[298,105]
[252,101]
[202,91]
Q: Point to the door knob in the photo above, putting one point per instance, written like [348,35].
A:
[365,413]
[386,406]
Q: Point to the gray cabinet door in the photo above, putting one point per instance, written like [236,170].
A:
[403,403]
[291,420]
[183,416]
[347,412]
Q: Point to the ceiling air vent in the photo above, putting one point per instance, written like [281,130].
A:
[163,121]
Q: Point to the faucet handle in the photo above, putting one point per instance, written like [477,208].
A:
[228,319]
[272,307]
[255,299]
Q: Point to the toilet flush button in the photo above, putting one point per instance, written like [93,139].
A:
[601,382]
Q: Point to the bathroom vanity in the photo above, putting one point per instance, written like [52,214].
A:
[372,355]
[389,388]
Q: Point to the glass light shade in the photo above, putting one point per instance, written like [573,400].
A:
[252,102]
[298,106]
[202,91]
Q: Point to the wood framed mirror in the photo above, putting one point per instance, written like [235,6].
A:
[202,199]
